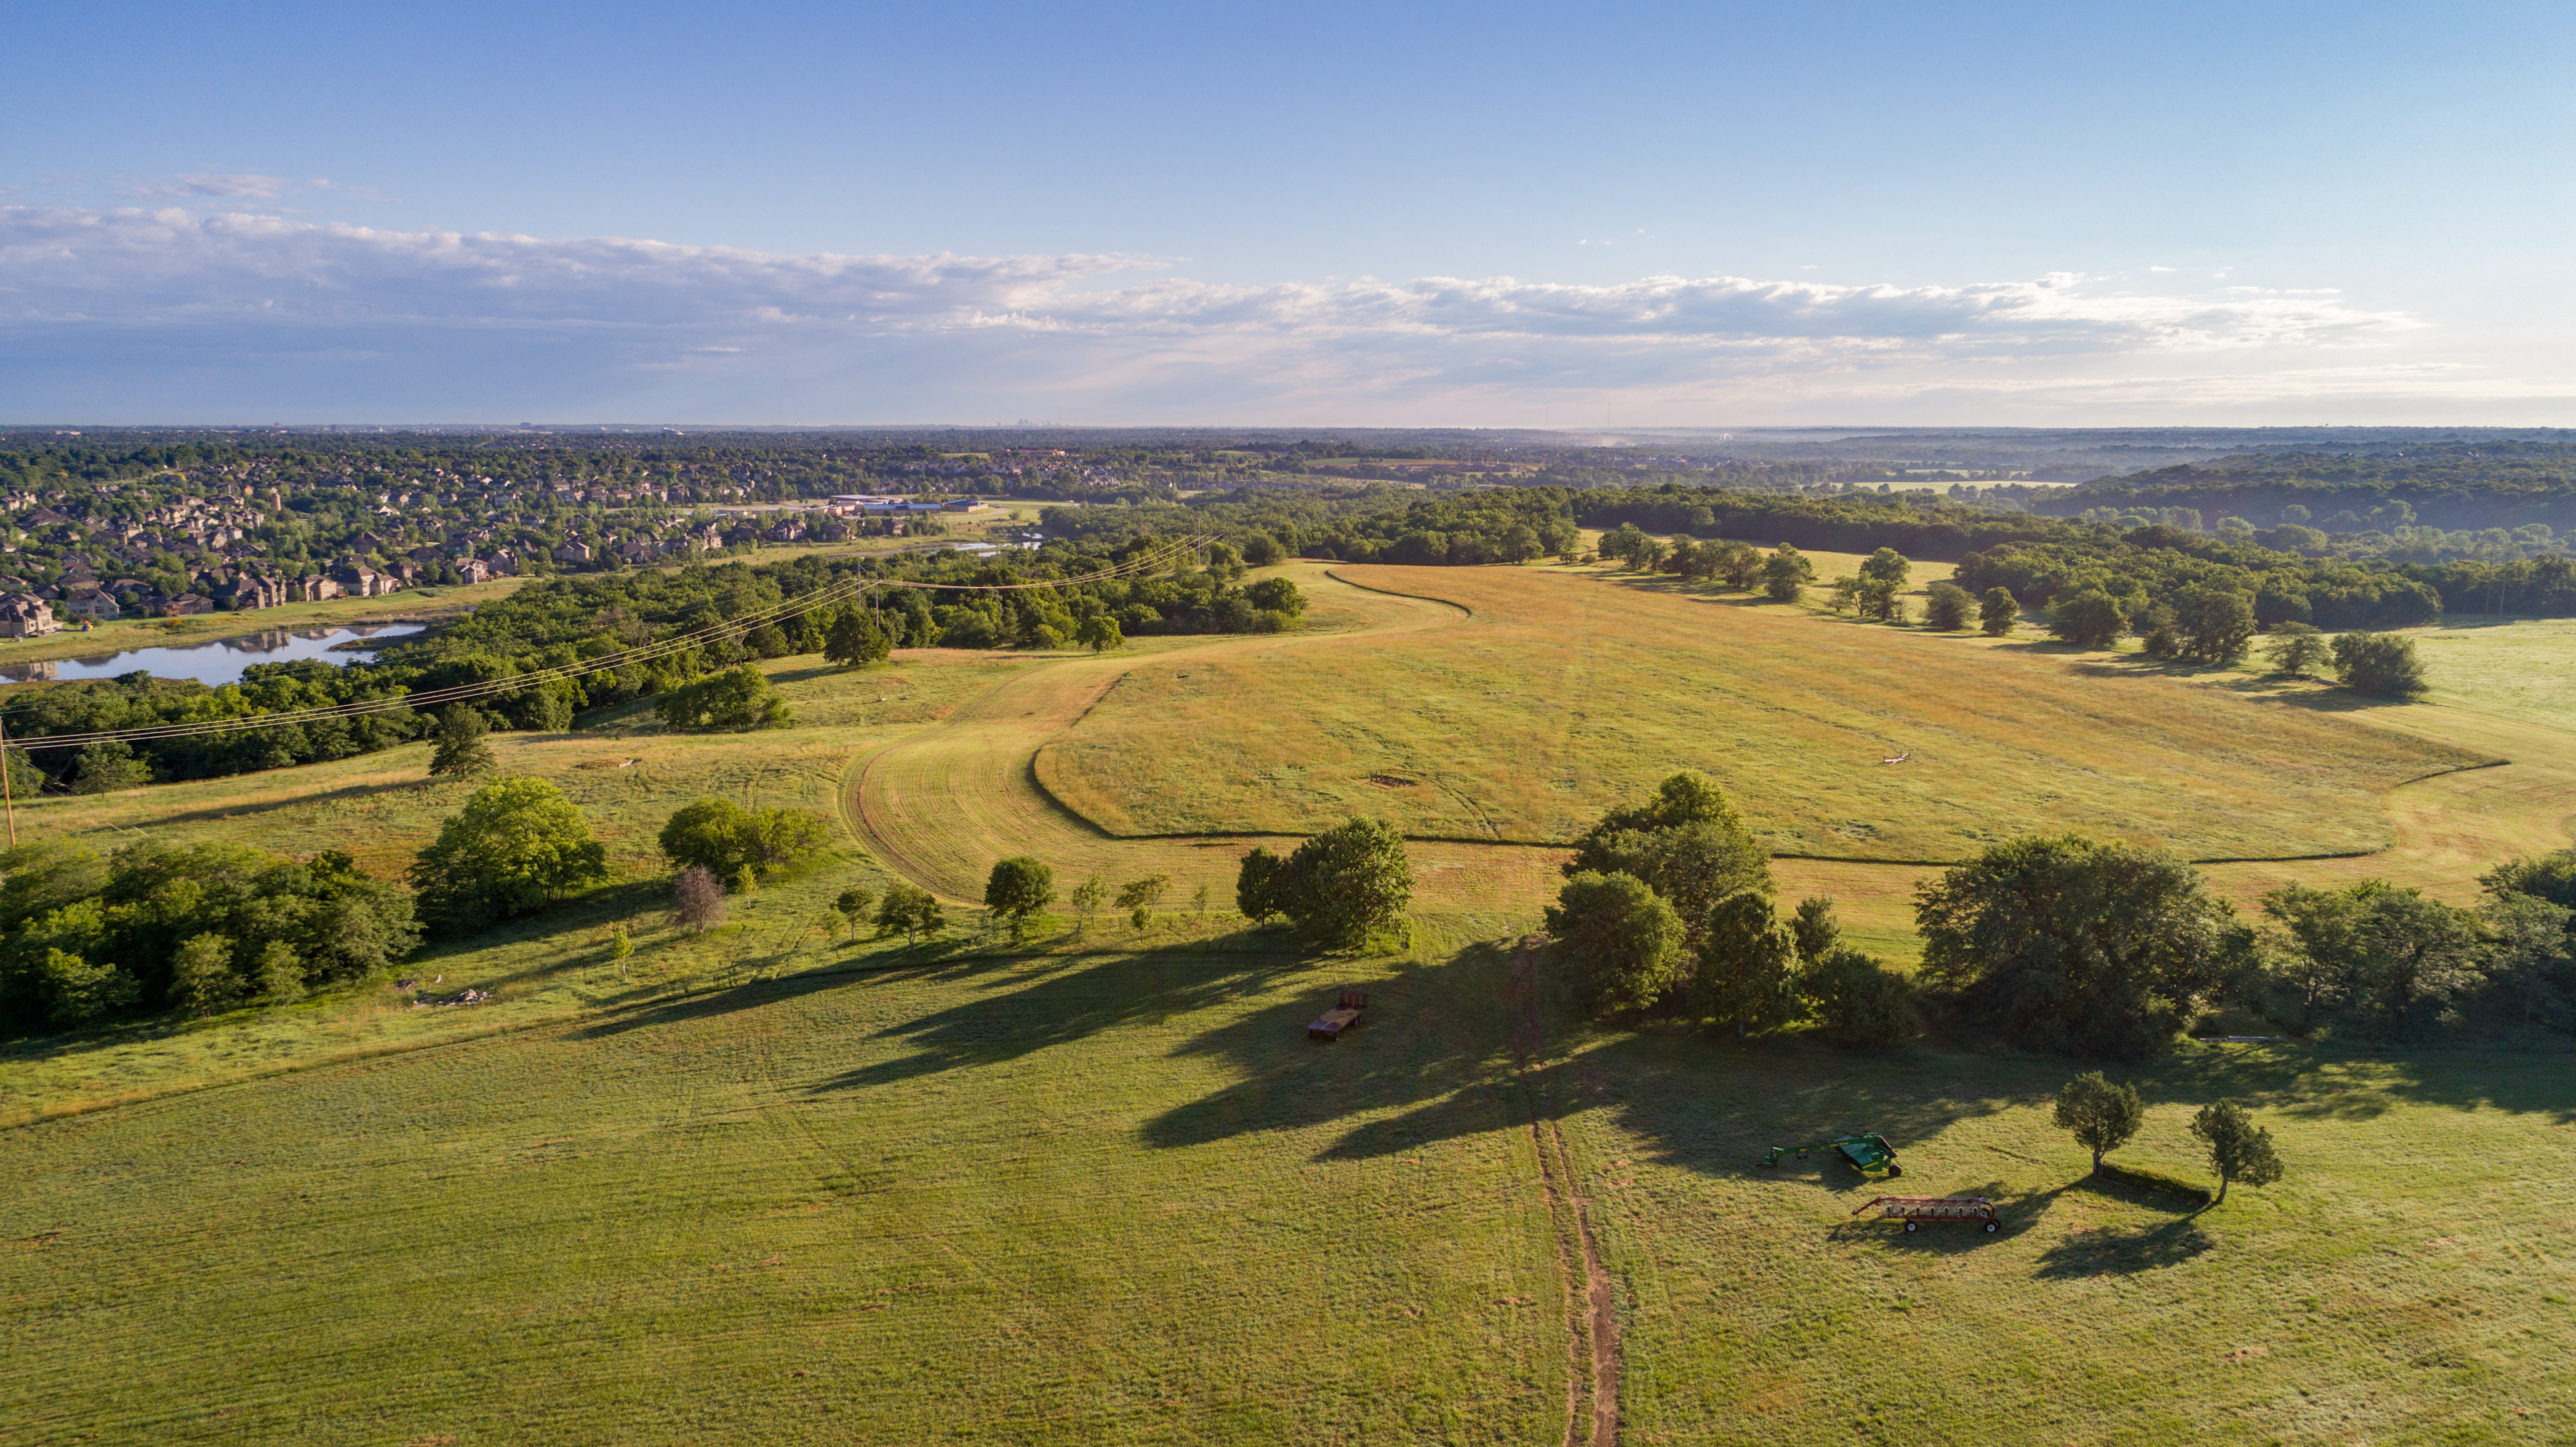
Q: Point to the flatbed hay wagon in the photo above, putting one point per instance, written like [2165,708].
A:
[1915,1210]
[1331,1024]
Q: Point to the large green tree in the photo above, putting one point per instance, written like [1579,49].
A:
[1623,939]
[1346,883]
[1687,843]
[2087,618]
[2075,944]
[517,846]
[1017,889]
[730,841]
[2382,665]
[2101,1115]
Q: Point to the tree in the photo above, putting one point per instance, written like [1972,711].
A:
[1199,899]
[2074,944]
[1998,611]
[620,948]
[698,899]
[1946,607]
[1686,843]
[1521,543]
[2100,1115]
[1746,962]
[108,767]
[1624,939]
[855,640]
[1344,884]
[2394,960]
[2087,618]
[1855,1000]
[1087,899]
[1786,574]
[1814,928]
[517,846]
[202,981]
[78,992]
[1626,544]
[1738,564]
[732,841]
[912,910]
[460,750]
[852,905]
[1100,632]
[2382,665]
[1256,885]
[2239,1150]
[2297,650]
[2216,624]
[1139,896]
[1887,566]
[734,701]
[1261,550]
[279,974]
[1018,888]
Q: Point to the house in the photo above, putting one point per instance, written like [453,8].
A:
[185,605]
[473,570]
[312,588]
[23,615]
[636,551]
[572,550]
[357,580]
[96,607]
[503,564]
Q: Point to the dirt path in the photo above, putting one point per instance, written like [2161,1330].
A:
[1592,1307]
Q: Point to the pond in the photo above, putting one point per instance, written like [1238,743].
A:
[218,662]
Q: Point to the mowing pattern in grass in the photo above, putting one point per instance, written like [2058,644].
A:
[2409,1281]
[1564,694]
[1074,1200]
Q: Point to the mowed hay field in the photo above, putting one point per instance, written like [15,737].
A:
[1115,1197]
[1558,693]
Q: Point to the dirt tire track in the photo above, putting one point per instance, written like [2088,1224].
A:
[1592,1313]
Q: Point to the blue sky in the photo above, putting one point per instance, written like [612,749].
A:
[1649,215]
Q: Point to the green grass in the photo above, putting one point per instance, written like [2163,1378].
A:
[1566,693]
[2524,670]
[2410,1280]
[1069,1199]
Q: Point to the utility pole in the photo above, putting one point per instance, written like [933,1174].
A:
[7,802]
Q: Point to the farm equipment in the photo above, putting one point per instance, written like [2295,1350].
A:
[1915,1210]
[1865,1152]
[1331,1024]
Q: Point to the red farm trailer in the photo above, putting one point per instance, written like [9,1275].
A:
[1331,1024]
[1915,1210]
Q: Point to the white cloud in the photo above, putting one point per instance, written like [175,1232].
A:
[176,307]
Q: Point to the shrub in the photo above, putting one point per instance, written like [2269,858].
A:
[912,911]
[1256,885]
[1786,573]
[1946,606]
[728,840]
[698,899]
[2382,665]
[2297,649]
[1625,940]
[1855,1000]
[853,904]
[1686,843]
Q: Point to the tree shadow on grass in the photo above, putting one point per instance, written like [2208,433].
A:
[2124,1250]
[215,813]
[1036,1002]
[1435,1062]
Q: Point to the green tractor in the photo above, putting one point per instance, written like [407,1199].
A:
[1865,1152]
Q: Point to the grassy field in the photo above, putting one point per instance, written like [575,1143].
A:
[1068,1199]
[766,1183]
[1564,693]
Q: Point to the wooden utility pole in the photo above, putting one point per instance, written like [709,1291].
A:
[7,802]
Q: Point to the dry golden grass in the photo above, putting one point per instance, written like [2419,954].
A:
[1564,694]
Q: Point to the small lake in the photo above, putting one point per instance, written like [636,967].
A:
[221,661]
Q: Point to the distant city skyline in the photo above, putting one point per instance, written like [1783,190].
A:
[1639,216]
